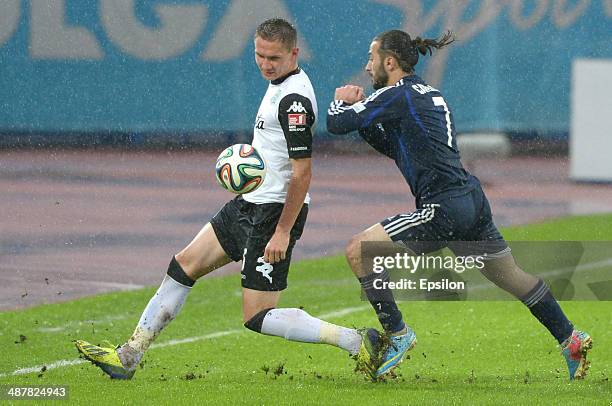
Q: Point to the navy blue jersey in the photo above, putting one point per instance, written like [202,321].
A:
[412,124]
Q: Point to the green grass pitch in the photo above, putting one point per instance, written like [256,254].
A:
[467,352]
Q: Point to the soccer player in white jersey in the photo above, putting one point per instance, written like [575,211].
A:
[259,228]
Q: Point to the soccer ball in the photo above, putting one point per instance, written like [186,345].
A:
[240,169]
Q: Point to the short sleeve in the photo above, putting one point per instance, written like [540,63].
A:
[296,117]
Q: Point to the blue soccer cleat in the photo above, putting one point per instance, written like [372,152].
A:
[396,351]
[575,349]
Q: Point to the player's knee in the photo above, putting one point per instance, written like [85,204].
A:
[187,264]
[255,322]
[353,249]
[501,266]
[177,272]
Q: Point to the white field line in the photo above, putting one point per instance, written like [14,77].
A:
[60,328]
[555,272]
[344,312]
[582,267]
[66,362]
[79,282]
[188,340]
[38,368]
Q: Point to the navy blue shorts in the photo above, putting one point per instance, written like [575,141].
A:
[462,223]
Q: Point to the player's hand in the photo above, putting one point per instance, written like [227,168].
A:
[350,94]
[276,249]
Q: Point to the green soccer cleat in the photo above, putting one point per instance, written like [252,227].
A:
[106,358]
[368,358]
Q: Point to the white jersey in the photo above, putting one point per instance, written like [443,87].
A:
[283,131]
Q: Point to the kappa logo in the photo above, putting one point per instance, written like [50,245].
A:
[296,107]
[265,268]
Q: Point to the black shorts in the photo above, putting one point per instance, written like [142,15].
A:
[462,223]
[244,229]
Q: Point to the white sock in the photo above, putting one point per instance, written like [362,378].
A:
[161,310]
[297,325]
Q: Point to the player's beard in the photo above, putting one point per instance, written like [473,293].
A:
[380,78]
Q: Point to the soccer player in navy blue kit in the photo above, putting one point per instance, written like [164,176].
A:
[410,122]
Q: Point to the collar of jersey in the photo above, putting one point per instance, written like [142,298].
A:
[408,77]
[282,79]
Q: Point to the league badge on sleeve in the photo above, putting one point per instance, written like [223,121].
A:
[297,119]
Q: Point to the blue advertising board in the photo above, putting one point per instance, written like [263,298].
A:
[187,66]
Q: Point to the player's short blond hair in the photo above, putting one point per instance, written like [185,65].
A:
[278,29]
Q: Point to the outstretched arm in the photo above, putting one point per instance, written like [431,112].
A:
[350,111]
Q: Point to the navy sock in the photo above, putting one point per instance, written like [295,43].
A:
[383,302]
[546,309]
